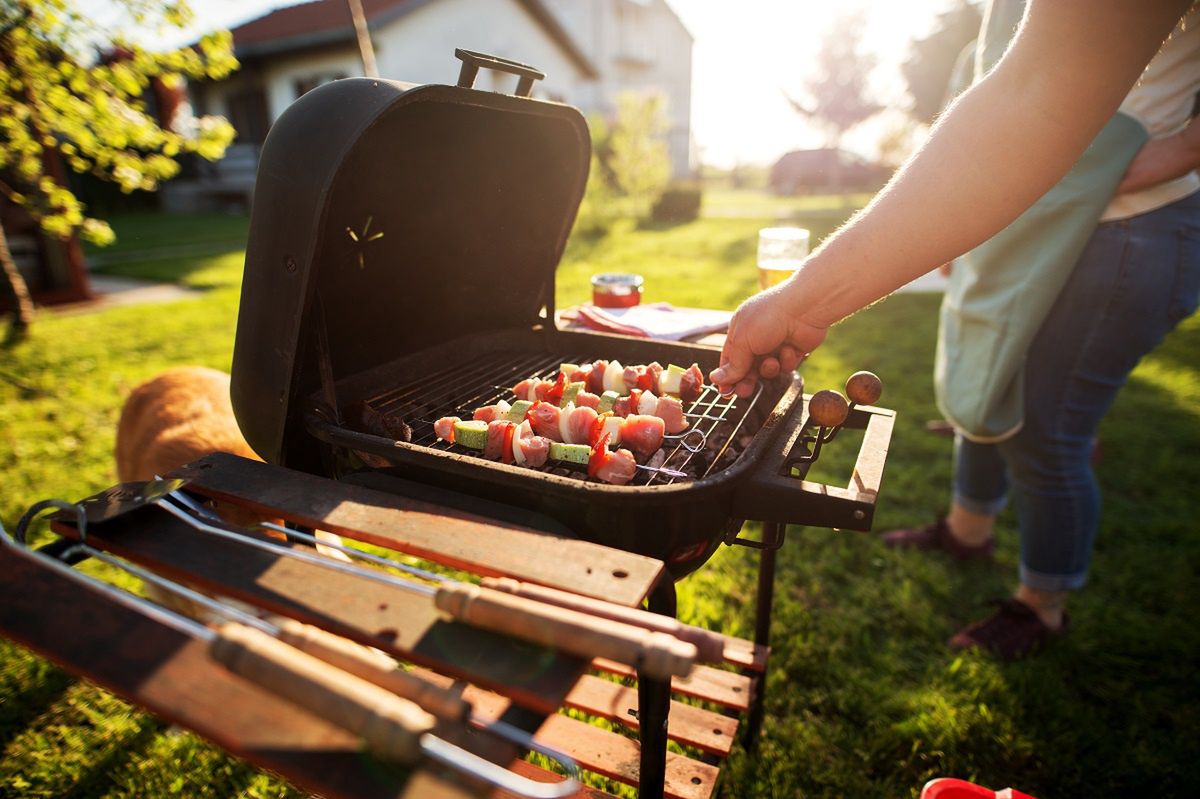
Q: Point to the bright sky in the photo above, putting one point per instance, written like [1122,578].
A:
[746,55]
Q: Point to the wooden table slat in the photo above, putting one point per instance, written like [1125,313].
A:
[607,753]
[433,532]
[747,654]
[689,725]
[726,688]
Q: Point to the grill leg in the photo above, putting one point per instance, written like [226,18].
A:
[654,703]
[773,533]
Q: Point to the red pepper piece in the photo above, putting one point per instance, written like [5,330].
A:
[645,379]
[599,456]
[506,454]
[597,428]
[635,396]
[555,393]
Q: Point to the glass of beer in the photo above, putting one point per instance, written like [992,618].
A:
[781,250]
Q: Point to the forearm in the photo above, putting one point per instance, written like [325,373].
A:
[1002,145]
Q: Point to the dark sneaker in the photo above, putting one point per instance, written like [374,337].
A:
[1011,633]
[937,536]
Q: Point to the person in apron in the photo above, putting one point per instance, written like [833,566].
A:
[1042,324]
[1044,320]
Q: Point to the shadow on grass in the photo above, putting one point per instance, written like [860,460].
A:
[223,262]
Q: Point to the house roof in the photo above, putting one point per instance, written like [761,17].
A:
[326,22]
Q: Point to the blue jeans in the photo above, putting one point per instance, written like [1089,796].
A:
[1135,281]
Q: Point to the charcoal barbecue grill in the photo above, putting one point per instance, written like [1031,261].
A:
[402,254]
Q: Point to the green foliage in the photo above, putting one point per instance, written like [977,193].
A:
[638,158]
[55,98]
[599,209]
[630,164]
[679,203]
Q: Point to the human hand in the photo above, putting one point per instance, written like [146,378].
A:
[1161,160]
[765,338]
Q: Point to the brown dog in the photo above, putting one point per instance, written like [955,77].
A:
[177,417]
[180,416]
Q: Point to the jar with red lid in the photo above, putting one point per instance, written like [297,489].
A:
[616,290]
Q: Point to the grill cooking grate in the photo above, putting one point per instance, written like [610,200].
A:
[459,389]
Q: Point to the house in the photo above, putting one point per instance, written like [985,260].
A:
[636,45]
[590,50]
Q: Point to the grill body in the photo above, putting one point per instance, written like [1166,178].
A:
[403,236]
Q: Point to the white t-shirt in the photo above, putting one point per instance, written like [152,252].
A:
[1162,101]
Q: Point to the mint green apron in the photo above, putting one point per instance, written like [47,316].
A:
[1001,291]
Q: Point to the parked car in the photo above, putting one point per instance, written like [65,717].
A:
[809,171]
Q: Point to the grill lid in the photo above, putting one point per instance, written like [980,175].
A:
[402,215]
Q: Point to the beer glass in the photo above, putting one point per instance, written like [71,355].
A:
[781,250]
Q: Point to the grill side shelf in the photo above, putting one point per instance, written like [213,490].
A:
[772,494]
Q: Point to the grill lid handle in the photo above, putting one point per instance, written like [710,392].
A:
[472,61]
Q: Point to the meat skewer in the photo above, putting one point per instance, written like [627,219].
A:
[639,403]
[579,425]
[588,400]
[600,376]
[509,442]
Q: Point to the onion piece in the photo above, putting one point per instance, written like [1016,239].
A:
[564,423]
[612,427]
[518,455]
[614,377]
[524,430]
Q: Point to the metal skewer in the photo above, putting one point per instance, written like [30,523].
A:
[252,647]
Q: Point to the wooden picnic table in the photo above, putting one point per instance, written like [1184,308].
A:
[169,673]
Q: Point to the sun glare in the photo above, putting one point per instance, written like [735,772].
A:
[748,54]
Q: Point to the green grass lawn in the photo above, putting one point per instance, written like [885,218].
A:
[864,700]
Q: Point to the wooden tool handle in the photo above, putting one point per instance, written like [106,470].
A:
[391,726]
[864,388]
[710,646]
[828,408]
[375,667]
[658,654]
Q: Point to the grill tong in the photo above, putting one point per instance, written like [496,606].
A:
[355,687]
